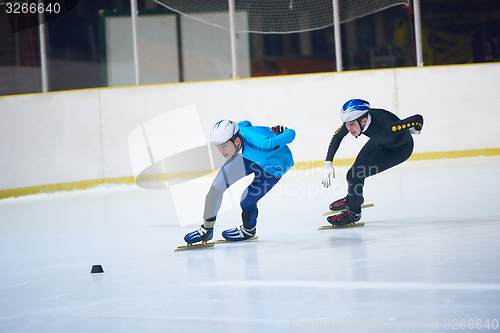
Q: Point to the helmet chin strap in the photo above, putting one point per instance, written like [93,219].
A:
[360,128]
[237,149]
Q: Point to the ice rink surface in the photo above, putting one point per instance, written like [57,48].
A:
[427,259]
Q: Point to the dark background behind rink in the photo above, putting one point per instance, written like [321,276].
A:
[453,32]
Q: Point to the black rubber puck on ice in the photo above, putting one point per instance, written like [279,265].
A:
[97,269]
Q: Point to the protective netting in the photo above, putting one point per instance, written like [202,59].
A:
[280,16]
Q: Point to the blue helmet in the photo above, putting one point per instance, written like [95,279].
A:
[353,109]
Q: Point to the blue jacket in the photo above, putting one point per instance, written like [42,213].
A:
[268,150]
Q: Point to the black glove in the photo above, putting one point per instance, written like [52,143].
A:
[278,129]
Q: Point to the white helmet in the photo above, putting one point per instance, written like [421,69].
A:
[353,109]
[223,131]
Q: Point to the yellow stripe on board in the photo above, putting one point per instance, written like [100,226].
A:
[82,185]
[414,157]
[455,154]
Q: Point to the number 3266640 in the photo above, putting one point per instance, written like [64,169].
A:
[456,324]
[32,8]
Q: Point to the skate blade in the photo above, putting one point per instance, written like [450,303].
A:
[360,224]
[195,246]
[340,211]
[228,241]
[210,244]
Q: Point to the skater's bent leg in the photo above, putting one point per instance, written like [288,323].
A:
[232,171]
[355,183]
[261,184]
[213,201]
[356,176]
[371,160]
[249,217]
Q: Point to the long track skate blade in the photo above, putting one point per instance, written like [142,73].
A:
[340,211]
[341,226]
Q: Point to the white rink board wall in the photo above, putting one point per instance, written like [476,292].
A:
[82,135]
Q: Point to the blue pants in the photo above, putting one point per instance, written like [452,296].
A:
[233,170]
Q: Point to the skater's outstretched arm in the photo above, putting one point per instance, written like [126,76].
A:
[328,171]
[335,142]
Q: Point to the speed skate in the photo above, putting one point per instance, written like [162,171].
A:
[211,244]
[340,211]
[334,212]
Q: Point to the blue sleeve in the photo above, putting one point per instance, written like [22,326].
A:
[278,141]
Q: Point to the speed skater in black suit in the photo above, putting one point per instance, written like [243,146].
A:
[390,144]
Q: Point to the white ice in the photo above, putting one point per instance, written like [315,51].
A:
[427,259]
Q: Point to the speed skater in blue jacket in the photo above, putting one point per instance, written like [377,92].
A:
[248,149]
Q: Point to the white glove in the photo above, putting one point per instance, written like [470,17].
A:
[414,131]
[327,172]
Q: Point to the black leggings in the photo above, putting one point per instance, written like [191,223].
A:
[372,159]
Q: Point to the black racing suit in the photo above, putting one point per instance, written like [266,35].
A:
[390,144]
